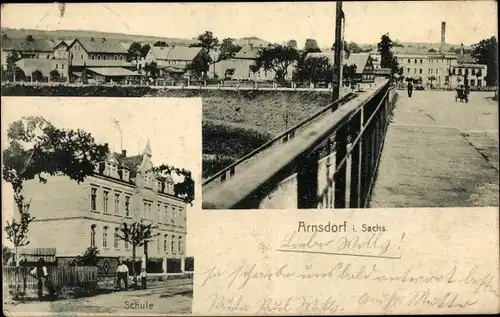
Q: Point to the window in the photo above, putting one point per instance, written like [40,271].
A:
[460,71]
[93,199]
[62,66]
[117,239]
[158,213]
[157,245]
[472,82]
[57,66]
[421,70]
[473,71]
[479,82]
[421,61]
[92,235]
[165,213]
[466,71]
[105,200]
[172,244]
[415,70]
[415,61]
[165,243]
[92,56]
[105,237]
[408,70]
[81,56]
[127,206]
[126,245]
[437,71]
[117,203]
[180,244]
[409,61]
[145,205]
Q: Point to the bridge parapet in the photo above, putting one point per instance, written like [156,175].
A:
[327,161]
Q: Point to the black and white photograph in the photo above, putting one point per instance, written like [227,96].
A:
[97,198]
[417,121]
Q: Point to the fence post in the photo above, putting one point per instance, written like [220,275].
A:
[340,175]
[356,154]
[307,182]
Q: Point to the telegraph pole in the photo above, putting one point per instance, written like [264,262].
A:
[338,47]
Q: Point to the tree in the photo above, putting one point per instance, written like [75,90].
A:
[160,43]
[311,45]
[229,73]
[353,48]
[292,44]
[207,41]
[432,79]
[349,73]
[200,65]
[387,58]
[431,50]
[134,52]
[145,50]
[185,189]
[52,151]
[11,60]
[277,58]
[30,38]
[54,74]
[152,69]
[228,49]
[37,75]
[486,52]
[89,258]
[137,234]
[314,69]
[6,255]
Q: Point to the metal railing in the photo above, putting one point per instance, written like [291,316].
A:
[283,137]
[351,135]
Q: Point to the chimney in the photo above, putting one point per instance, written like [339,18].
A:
[124,153]
[462,50]
[443,34]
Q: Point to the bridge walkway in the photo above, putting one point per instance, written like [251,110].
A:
[439,153]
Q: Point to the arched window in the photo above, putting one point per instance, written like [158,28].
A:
[105,237]
[92,235]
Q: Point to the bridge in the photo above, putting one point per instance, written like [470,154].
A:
[373,149]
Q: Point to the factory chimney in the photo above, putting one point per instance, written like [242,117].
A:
[443,35]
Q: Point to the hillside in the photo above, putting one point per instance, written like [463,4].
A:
[71,34]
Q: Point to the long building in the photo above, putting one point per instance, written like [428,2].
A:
[71,217]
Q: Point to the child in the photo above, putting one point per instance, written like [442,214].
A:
[143,278]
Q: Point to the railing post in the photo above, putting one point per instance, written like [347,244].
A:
[340,175]
[307,182]
[355,199]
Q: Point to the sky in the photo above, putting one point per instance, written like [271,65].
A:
[467,22]
[172,125]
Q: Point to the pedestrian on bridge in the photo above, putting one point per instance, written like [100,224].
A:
[410,88]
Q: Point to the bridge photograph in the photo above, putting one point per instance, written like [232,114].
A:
[346,110]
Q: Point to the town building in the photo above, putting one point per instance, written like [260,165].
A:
[240,66]
[172,61]
[364,77]
[430,69]
[71,216]
[45,66]
[28,47]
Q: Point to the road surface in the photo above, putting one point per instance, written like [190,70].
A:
[440,153]
[168,299]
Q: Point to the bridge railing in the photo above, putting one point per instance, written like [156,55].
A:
[283,137]
[347,142]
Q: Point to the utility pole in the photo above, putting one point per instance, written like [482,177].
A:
[337,66]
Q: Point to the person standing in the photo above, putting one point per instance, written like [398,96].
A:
[143,278]
[41,274]
[410,88]
[122,273]
[24,272]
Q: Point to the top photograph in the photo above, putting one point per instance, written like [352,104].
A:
[306,105]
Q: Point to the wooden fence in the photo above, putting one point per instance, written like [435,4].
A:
[60,276]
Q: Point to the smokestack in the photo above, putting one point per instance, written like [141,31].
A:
[443,34]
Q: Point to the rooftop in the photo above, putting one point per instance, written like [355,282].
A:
[23,45]
[101,45]
[175,53]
